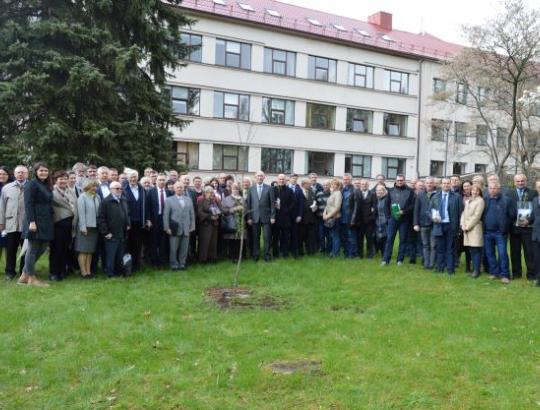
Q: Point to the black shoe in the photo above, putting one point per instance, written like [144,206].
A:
[537,283]
[55,278]
[475,275]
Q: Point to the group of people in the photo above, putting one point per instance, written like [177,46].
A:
[92,218]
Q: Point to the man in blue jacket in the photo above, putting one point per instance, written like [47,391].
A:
[499,214]
[347,230]
[445,212]
[423,224]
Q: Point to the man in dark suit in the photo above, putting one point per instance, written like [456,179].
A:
[113,224]
[286,211]
[103,182]
[260,214]
[298,214]
[135,196]
[363,218]
[447,206]
[159,249]
[535,223]
[521,232]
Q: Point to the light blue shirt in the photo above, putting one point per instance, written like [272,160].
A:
[135,192]
[445,204]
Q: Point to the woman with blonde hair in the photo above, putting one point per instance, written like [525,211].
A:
[87,234]
[471,225]
[331,214]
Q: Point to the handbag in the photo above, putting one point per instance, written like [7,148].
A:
[329,223]
[228,224]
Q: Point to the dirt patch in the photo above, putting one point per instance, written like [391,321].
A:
[300,366]
[339,308]
[242,298]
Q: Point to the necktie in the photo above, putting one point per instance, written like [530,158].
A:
[520,194]
[443,207]
[161,201]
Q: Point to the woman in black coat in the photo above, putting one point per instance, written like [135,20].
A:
[38,226]
[208,214]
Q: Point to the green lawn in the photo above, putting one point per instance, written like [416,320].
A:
[387,338]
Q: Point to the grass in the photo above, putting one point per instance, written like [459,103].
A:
[387,338]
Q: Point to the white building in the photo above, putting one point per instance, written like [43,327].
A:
[287,89]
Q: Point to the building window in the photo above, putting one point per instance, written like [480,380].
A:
[279,62]
[460,132]
[277,111]
[276,160]
[360,75]
[184,100]
[187,154]
[459,168]
[502,134]
[358,165]
[392,167]
[439,129]
[194,42]
[481,135]
[461,93]
[482,94]
[359,120]
[320,116]
[321,163]
[322,69]
[395,125]
[480,168]
[230,157]
[439,85]
[231,106]
[397,82]
[436,168]
[233,54]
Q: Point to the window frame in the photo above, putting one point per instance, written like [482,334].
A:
[239,116]
[189,100]
[353,114]
[458,137]
[187,154]
[225,156]
[401,163]
[462,166]
[482,142]
[310,160]
[366,168]
[268,111]
[437,123]
[431,168]
[309,116]
[313,67]
[402,124]
[368,76]
[462,93]
[277,164]
[436,88]
[243,49]
[189,43]
[289,62]
[390,81]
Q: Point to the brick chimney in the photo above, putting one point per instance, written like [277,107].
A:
[381,19]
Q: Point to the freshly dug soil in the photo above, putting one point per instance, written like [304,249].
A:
[242,298]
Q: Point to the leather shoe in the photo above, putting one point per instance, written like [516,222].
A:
[55,278]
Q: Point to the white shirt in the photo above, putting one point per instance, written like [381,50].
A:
[105,189]
[135,191]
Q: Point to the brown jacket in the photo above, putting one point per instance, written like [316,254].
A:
[471,221]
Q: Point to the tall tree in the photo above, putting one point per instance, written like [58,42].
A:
[493,75]
[83,80]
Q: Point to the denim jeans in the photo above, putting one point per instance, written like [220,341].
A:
[36,248]
[401,226]
[114,250]
[476,256]
[497,260]
[428,246]
[349,239]
[336,242]
[325,240]
[445,248]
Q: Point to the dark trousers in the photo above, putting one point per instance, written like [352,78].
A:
[445,248]
[325,240]
[349,240]
[496,253]
[401,226]
[518,240]
[99,254]
[295,239]
[380,244]
[476,257]
[536,250]
[193,243]
[365,233]
[414,245]
[281,241]
[59,248]
[159,245]
[256,229]
[308,239]
[234,249]
[114,251]
[208,243]
[134,244]
[14,240]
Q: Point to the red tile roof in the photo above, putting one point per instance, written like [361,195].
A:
[295,18]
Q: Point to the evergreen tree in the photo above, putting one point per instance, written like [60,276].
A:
[82,80]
